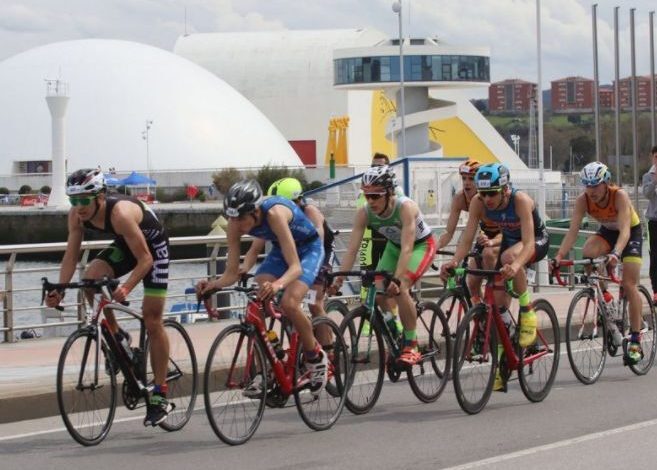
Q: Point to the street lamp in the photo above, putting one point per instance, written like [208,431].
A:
[397,8]
[144,135]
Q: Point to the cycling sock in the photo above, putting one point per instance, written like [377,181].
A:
[524,300]
[160,390]
[410,335]
[635,337]
[314,354]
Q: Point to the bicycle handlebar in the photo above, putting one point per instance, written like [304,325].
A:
[473,254]
[96,284]
[556,271]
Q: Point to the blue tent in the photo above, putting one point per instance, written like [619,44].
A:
[136,179]
[111,181]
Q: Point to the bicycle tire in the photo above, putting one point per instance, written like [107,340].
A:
[648,338]
[322,410]
[234,351]
[182,375]
[586,337]
[337,306]
[454,305]
[536,377]
[434,343]
[366,369]
[474,365]
[88,413]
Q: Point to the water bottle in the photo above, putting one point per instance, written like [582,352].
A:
[611,313]
[275,344]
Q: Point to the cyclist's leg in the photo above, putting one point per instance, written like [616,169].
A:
[317,309]
[631,258]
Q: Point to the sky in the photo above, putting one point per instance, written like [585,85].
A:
[507,27]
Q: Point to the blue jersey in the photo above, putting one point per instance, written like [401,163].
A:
[509,222]
[302,228]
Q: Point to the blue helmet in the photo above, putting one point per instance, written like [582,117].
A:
[595,173]
[492,176]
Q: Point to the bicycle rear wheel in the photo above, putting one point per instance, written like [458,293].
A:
[429,376]
[367,356]
[86,388]
[322,410]
[540,360]
[475,359]
[235,362]
[454,305]
[586,337]
[182,375]
[649,333]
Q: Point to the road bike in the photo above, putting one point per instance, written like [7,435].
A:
[477,357]
[244,370]
[592,322]
[86,372]
[375,346]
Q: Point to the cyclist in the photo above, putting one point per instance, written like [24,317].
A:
[409,250]
[140,246]
[292,264]
[489,237]
[524,239]
[619,236]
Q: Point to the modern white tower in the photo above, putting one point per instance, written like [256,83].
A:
[57,98]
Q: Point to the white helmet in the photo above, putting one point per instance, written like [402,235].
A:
[85,181]
[595,173]
[379,176]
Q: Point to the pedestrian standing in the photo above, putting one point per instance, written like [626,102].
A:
[650,192]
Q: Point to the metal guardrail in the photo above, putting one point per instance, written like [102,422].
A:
[430,288]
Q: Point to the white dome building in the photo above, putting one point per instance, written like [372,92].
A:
[199,122]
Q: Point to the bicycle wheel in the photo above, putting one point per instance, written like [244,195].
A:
[454,305]
[182,375]
[367,360]
[586,337]
[648,336]
[321,411]
[429,376]
[235,361]
[86,388]
[336,310]
[540,360]
[475,359]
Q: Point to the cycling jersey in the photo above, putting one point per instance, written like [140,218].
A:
[509,222]
[608,215]
[490,228]
[301,227]
[122,260]
[391,226]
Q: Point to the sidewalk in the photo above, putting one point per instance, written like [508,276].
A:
[28,368]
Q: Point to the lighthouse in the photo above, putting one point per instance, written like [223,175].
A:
[57,98]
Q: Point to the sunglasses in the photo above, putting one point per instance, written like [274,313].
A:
[81,201]
[490,192]
[374,196]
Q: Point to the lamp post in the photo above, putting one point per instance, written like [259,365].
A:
[397,8]
[144,135]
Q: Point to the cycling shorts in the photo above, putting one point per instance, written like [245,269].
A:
[122,261]
[311,256]
[421,258]
[632,251]
[541,247]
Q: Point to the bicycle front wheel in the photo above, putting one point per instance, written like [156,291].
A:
[182,375]
[648,333]
[586,337]
[475,359]
[235,385]
[454,305]
[540,360]
[429,376]
[320,411]
[367,357]
[86,388]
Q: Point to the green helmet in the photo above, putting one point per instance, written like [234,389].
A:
[289,188]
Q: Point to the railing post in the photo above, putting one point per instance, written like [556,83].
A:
[82,313]
[9,299]
[212,269]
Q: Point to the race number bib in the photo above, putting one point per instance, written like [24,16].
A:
[531,276]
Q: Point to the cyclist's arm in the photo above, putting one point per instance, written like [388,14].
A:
[454,212]
[624,208]
[316,217]
[524,208]
[279,217]
[575,221]
[475,214]
[231,273]
[125,220]
[360,222]
[251,256]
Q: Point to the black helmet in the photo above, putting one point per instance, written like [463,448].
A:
[242,198]
[85,181]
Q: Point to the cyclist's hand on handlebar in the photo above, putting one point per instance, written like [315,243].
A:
[268,289]
[202,287]
[509,271]
[120,294]
[394,287]
[482,239]
[612,259]
[445,269]
[53,298]
[336,286]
